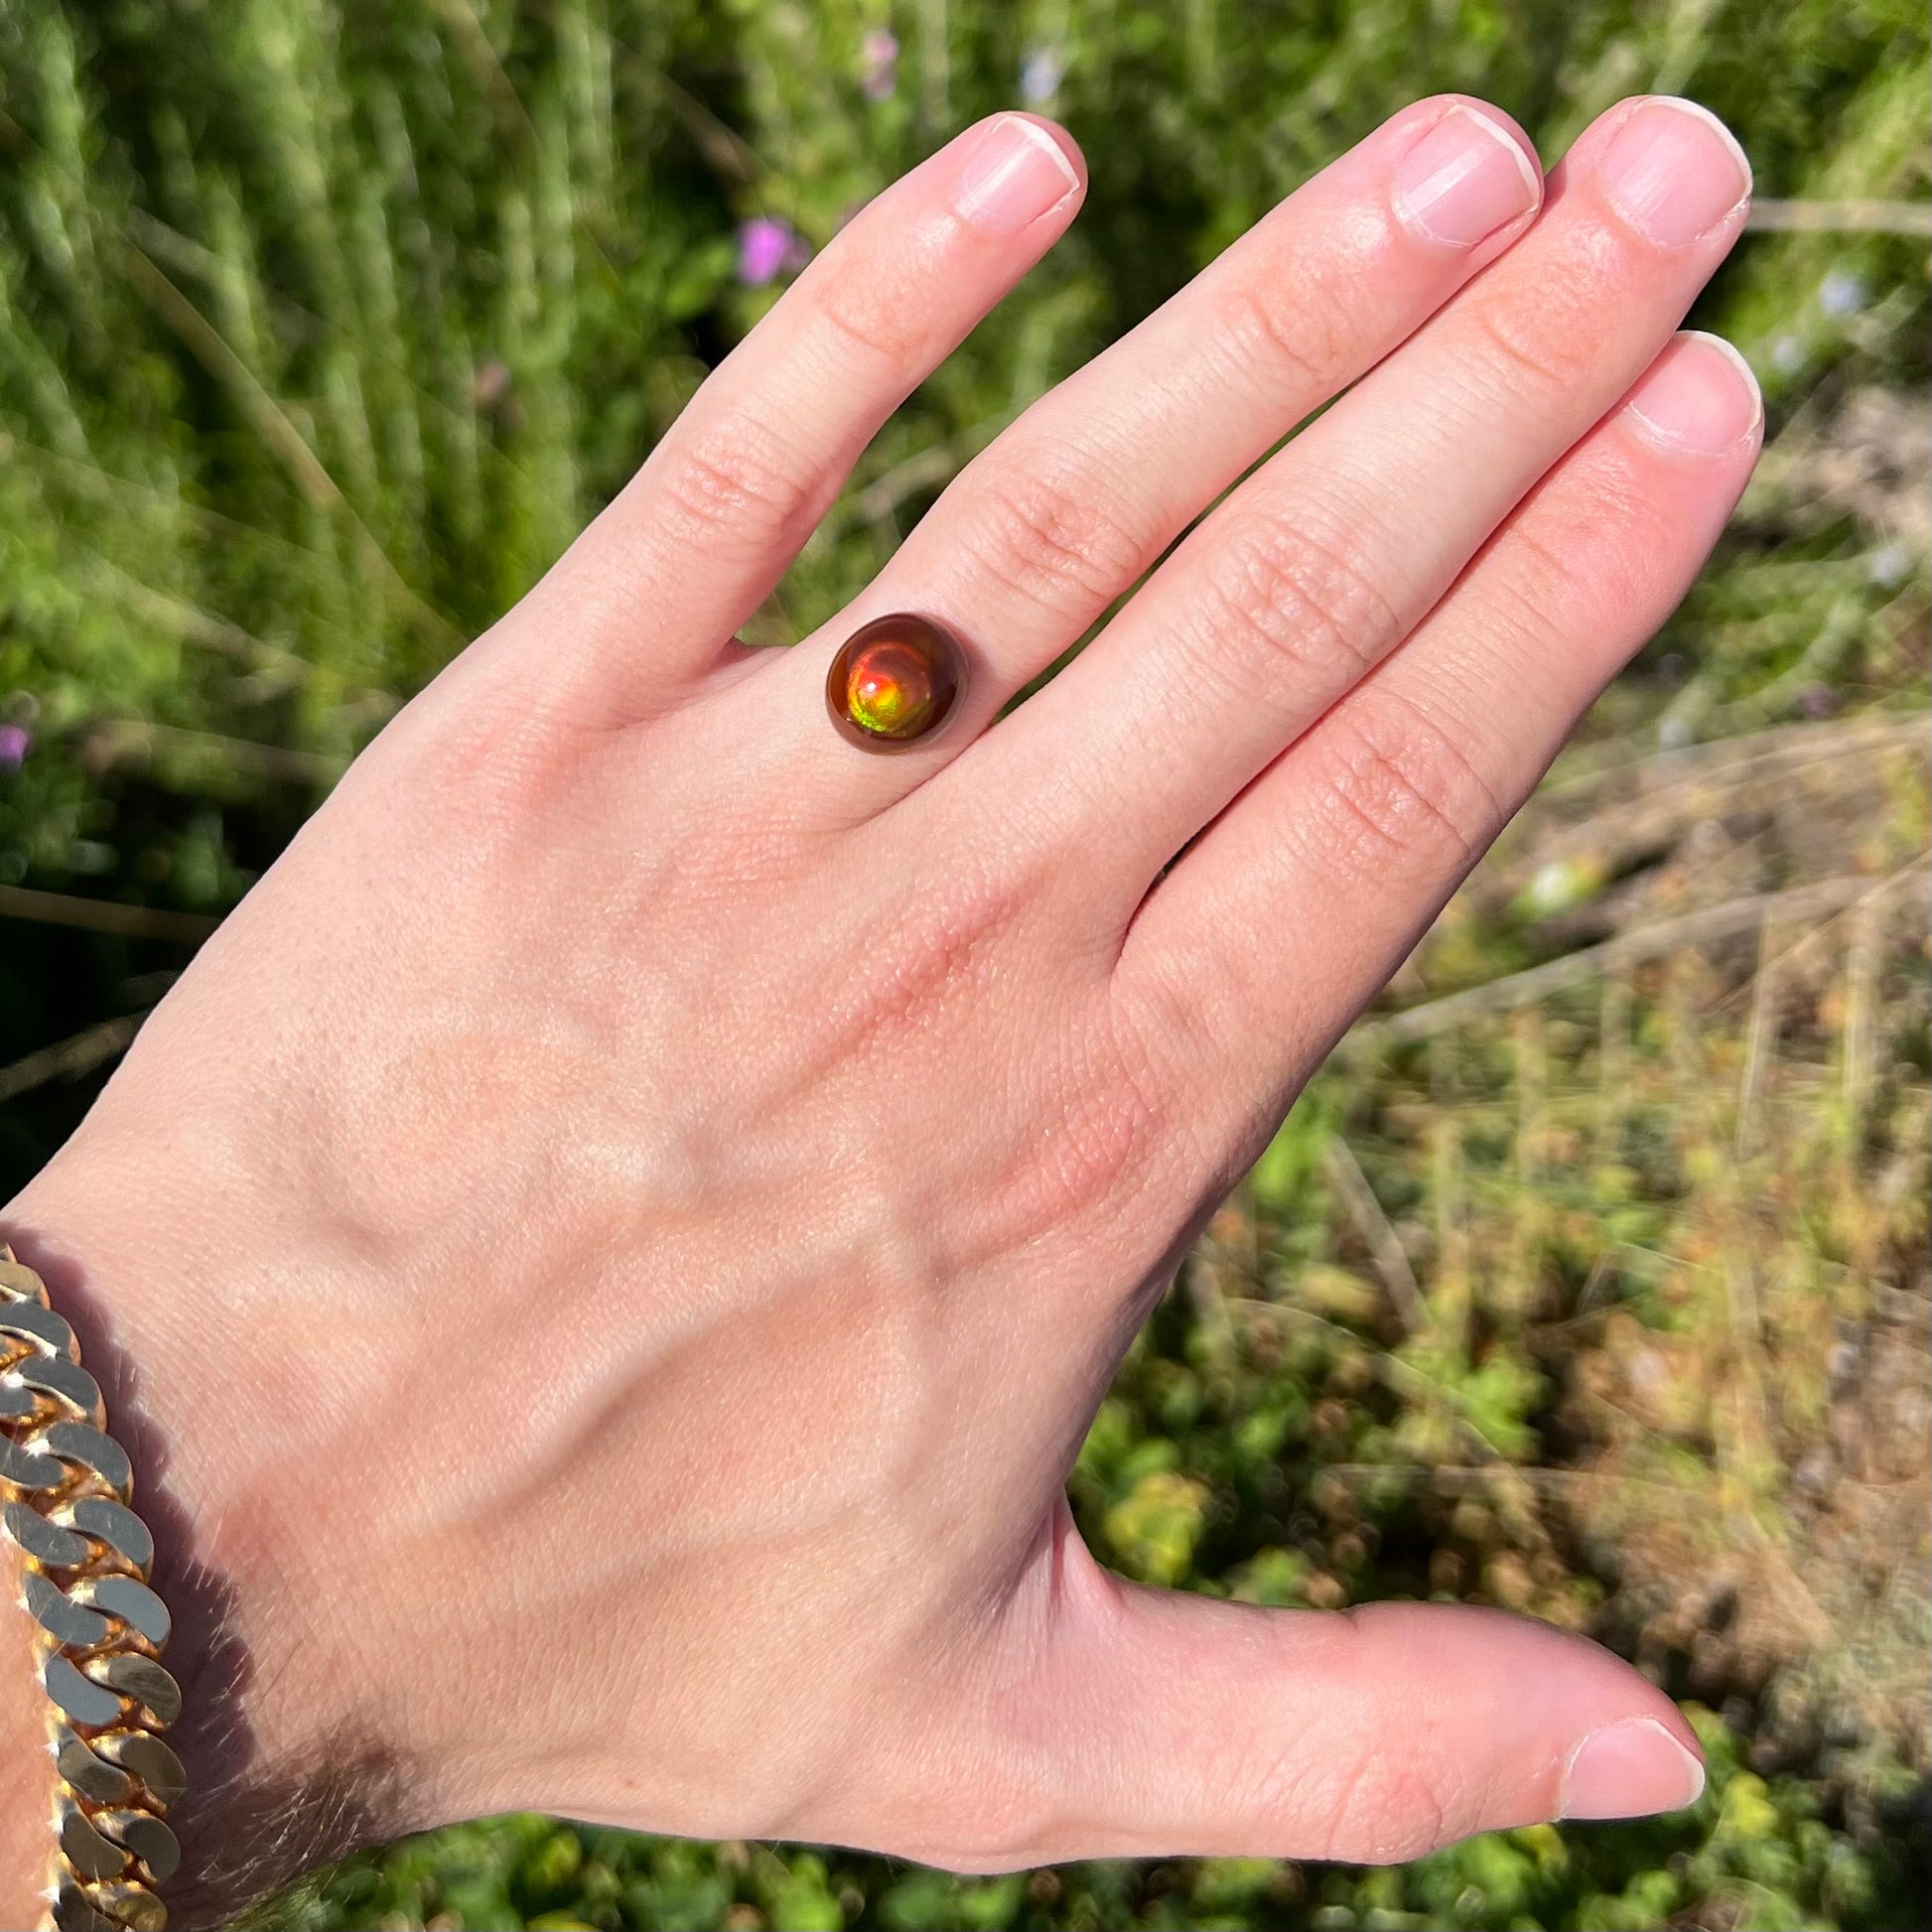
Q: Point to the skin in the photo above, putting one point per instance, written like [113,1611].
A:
[606,1260]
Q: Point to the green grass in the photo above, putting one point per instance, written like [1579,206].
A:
[1588,1279]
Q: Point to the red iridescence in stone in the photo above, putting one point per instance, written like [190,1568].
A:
[894,680]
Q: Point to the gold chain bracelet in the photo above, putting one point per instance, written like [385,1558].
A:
[65,1489]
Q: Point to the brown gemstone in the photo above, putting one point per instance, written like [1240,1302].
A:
[894,680]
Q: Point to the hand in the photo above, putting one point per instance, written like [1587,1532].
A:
[614,1245]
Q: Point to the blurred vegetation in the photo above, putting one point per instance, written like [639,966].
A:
[1590,1275]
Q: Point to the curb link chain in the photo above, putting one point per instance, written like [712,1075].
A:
[65,1489]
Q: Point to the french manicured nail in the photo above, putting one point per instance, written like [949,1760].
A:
[1013,175]
[1464,179]
[1698,396]
[1629,1770]
[1675,171]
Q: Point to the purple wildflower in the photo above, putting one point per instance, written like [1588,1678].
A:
[878,65]
[15,741]
[491,384]
[761,246]
[766,246]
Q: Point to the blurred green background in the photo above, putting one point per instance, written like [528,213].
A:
[1590,1275]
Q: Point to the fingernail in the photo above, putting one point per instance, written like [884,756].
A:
[1675,171]
[1464,179]
[1629,1770]
[1011,175]
[1698,396]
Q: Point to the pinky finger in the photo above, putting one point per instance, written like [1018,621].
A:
[1282,924]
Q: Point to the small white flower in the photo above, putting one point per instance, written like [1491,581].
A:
[1889,565]
[1840,294]
[1789,356]
[1040,74]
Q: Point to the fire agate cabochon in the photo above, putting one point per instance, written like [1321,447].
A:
[894,681]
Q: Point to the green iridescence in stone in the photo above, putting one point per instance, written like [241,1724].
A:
[894,680]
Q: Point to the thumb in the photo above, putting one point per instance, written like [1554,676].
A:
[1154,1723]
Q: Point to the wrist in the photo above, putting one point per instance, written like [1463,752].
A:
[289,1758]
[26,1773]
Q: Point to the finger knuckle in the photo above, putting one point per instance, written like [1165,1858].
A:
[1304,344]
[1592,546]
[1549,351]
[1403,791]
[1056,537]
[1282,596]
[873,317]
[737,476]
[1542,584]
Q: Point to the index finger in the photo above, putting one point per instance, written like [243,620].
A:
[652,593]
